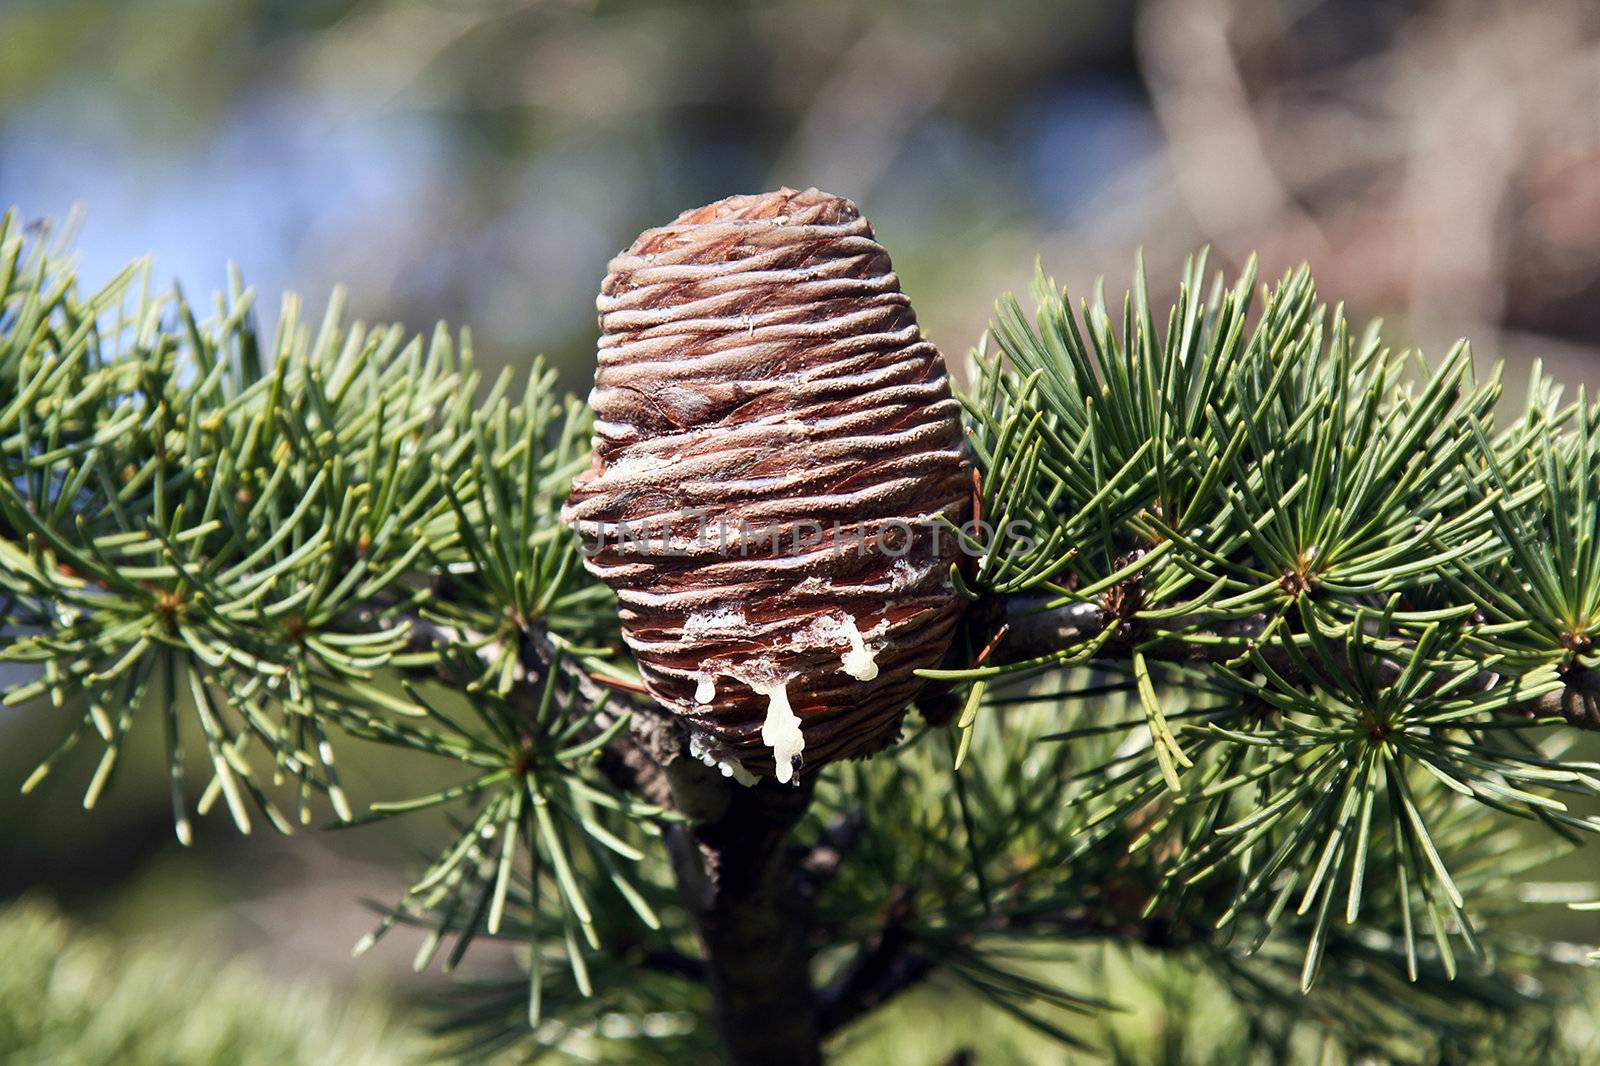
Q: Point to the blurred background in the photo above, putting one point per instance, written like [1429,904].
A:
[1438,164]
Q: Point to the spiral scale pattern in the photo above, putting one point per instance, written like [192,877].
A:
[774,443]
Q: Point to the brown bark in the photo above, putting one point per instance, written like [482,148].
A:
[736,875]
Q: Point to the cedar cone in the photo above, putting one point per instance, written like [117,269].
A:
[774,443]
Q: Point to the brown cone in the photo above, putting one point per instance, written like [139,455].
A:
[780,440]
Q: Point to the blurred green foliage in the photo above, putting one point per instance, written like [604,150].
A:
[73,998]
[1175,1013]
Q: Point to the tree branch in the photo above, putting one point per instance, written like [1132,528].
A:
[734,869]
[1036,630]
[883,967]
[890,962]
[735,874]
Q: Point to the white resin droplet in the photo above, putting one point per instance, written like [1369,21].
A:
[719,621]
[781,731]
[706,690]
[735,769]
[859,662]
[714,755]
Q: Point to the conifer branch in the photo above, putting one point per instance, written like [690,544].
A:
[1040,627]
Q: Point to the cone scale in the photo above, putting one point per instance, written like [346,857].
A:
[775,444]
